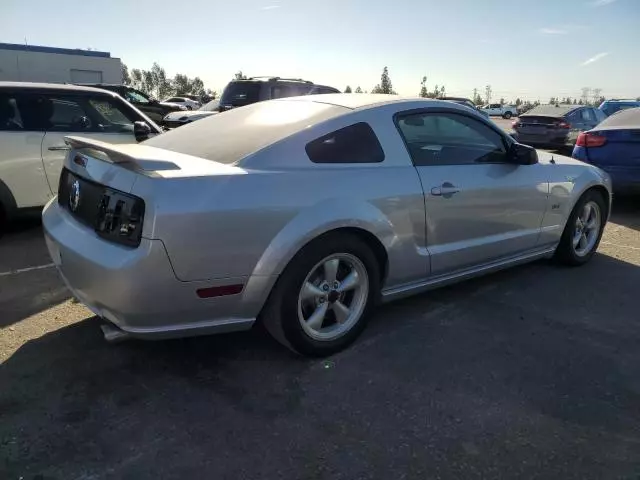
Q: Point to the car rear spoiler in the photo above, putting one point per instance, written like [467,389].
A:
[139,157]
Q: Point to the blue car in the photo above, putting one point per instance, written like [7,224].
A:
[614,146]
[609,107]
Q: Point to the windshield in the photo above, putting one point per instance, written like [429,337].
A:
[212,106]
[238,94]
[134,96]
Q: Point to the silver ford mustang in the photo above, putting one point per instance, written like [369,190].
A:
[303,213]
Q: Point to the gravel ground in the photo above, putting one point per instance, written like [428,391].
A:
[528,373]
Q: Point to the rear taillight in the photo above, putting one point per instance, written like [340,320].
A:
[586,139]
[120,218]
[515,124]
[563,125]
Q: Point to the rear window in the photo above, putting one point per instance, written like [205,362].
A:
[628,118]
[232,135]
[356,143]
[239,94]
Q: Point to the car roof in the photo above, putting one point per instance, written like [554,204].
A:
[50,86]
[551,110]
[355,101]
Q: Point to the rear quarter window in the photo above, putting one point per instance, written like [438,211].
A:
[356,143]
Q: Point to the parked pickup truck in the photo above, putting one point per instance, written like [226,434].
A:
[505,111]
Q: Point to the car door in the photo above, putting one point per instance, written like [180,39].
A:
[479,207]
[100,117]
[22,175]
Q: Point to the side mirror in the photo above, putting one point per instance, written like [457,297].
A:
[141,131]
[520,154]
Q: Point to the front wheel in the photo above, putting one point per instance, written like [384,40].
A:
[583,230]
[321,302]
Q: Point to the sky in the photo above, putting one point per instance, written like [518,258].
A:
[531,49]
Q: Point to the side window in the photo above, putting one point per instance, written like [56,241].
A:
[450,139]
[587,116]
[356,143]
[600,115]
[10,119]
[495,105]
[574,116]
[283,91]
[68,116]
[76,113]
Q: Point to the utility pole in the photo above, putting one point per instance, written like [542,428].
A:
[596,95]
[585,95]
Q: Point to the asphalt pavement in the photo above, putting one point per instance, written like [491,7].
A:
[528,373]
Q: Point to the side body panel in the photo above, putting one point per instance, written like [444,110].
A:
[496,213]
[21,168]
[253,224]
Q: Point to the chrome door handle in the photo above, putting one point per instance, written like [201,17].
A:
[56,148]
[445,190]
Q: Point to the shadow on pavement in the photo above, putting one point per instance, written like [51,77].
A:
[29,293]
[626,211]
[531,371]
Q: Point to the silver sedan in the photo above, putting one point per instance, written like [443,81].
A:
[304,213]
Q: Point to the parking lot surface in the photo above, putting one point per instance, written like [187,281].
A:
[528,373]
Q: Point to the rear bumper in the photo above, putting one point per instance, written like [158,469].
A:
[545,141]
[136,288]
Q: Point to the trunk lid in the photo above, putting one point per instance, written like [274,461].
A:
[622,148]
[101,182]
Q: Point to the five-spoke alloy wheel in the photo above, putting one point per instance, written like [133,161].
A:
[321,302]
[583,230]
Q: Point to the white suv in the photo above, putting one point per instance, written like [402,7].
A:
[35,118]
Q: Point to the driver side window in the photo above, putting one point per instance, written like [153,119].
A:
[450,139]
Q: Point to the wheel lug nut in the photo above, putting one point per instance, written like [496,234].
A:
[322,300]
[325,288]
[336,284]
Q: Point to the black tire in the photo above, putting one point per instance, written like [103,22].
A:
[565,253]
[507,115]
[280,315]
[4,221]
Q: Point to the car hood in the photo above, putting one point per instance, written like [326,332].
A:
[189,115]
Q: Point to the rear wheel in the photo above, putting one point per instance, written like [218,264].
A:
[322,300]
[4,221]
[583,230]
[507,115]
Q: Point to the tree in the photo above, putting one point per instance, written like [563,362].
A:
[552,100]
[585,95]
[385,85]
[438,92]
[518,102]
[423,88]
[575,101]
[502,101]
[126,79]
[580,102]
[240,76]
[487,93]
[477,99]
[348,89]
[358,89]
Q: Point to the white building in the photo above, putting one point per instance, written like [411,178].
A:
[33,63]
